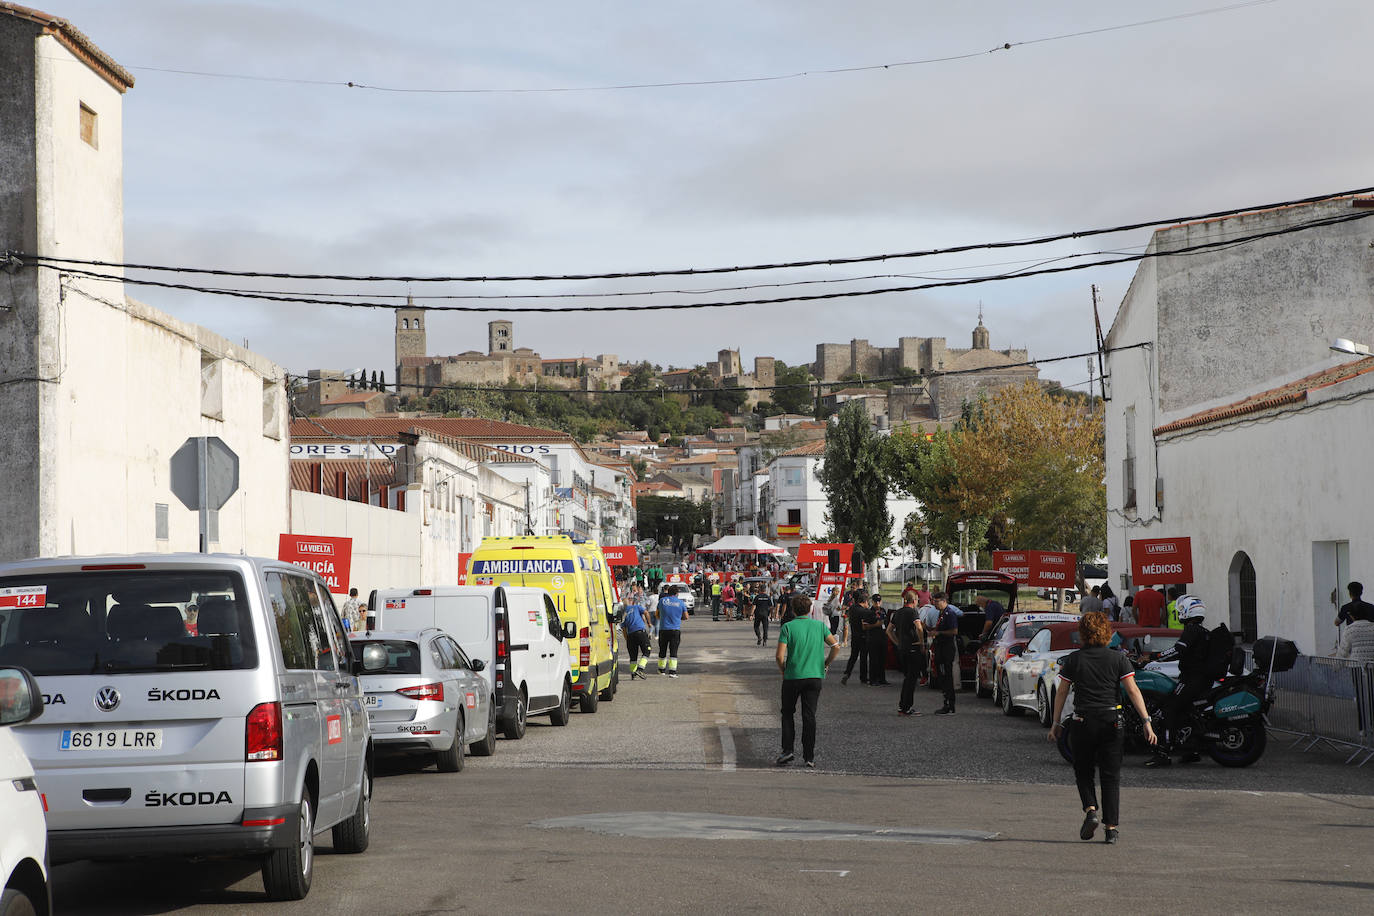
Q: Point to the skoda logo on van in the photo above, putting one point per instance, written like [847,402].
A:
[106,699]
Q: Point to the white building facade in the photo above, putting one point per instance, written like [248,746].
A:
[1231,422]
[99,391]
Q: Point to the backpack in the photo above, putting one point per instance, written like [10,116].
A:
[1220,642]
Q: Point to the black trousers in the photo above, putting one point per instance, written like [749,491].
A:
[946,661]
[808,690]
[638,643]
[877,641]
[1178,709]
[913,665]
[857,653]
[761,626]
[1097,738]
[668,641]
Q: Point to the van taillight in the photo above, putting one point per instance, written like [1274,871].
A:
[584,649]
[263,733]
[501,628]
[433,691]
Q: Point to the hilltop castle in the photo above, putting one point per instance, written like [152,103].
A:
[417,373]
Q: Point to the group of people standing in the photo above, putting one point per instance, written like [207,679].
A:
[923,630]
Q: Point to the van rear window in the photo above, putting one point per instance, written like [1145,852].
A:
[134,621]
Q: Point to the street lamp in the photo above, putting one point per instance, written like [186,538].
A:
[925,550]
[1011,522]
[1346,345]
[963,551]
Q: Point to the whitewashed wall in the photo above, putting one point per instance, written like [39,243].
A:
[386,543]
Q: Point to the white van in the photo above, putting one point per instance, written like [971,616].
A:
[24,841]
[516,631]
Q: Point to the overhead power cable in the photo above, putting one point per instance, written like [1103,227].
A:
[693,271]
[726,81]
[737,303]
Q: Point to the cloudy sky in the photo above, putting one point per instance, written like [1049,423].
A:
[1260,103]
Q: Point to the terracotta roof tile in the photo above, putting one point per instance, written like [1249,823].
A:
[810,449]
[74,40]
[1294,392]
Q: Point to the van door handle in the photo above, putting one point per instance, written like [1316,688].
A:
[105,796]
[343,684]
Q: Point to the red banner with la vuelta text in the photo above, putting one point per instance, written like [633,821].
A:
[1162,561]
[1038,568]
[330,557]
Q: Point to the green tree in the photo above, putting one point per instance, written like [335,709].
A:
[855,483]
[797,397]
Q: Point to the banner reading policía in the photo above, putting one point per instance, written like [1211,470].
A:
[332,558]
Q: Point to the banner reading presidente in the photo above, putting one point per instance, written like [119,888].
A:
[1038,568]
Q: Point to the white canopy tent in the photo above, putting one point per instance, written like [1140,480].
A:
[741,543]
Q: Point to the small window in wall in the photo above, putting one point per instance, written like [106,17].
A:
[211,386]
[794,516]
[271,408]
[89,129]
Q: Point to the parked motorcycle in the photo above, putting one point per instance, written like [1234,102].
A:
[1227,722]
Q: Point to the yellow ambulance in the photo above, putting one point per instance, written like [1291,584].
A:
[574,572]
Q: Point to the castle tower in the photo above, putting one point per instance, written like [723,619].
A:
[500,337]
[981,338]
[410,339]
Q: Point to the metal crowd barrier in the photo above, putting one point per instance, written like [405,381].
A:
[1326,701]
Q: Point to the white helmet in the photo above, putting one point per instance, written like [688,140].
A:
[1189,607]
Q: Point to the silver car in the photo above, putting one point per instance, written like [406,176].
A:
[424,695]
[193,705]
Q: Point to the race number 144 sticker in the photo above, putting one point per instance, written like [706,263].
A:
[28,596]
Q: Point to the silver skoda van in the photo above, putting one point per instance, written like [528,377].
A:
[194,704]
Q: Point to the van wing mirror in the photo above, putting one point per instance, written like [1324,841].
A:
[570,629]
[20,699]
[478,665]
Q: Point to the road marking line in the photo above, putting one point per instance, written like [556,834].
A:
[829,871]
[727,746]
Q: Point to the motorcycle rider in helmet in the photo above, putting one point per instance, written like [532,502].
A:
[1193,680]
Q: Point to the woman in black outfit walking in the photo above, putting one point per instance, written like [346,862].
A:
[1098,675]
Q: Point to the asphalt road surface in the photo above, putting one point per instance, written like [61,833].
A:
[666,800]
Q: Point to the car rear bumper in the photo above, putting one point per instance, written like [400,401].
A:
[404,741]
[180,841]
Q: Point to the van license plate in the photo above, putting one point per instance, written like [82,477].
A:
[111,739]
[372,701]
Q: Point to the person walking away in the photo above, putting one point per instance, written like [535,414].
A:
[832,612]
[715,598]
[1149,607]
[1193,656]
[805,650]
[349,612]
[905,630]
[727,601]
[1128,610]
[875,638]
[1110,606]
[635,626]
[763,611]
[671,612]
[1097,675]
[857,652]
[1091,602]
[655,577]
[745,596]
[946,650]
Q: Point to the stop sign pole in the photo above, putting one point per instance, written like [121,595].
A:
[205,473]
